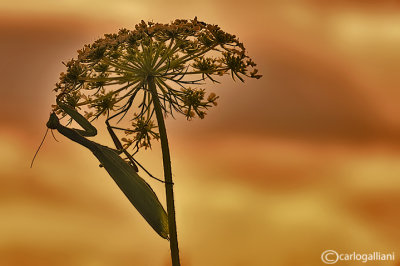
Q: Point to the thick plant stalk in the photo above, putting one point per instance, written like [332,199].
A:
[169,189]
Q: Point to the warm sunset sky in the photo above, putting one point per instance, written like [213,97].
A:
[303,160]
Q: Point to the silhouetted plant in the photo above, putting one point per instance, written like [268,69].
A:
[153,70]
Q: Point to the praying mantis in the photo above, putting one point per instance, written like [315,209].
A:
[137,190]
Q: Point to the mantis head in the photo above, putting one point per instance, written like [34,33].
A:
[53,121]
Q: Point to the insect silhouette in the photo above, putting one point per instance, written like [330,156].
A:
[124,173]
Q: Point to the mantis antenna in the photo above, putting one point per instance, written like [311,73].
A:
[41,143]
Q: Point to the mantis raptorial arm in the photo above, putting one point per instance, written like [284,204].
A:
[89,129]
[132,185]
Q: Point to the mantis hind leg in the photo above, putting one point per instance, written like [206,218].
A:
[121,149]
[119,146]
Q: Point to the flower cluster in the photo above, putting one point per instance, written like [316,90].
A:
[111,76]
[142,133]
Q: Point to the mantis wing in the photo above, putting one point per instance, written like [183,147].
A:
[135,188]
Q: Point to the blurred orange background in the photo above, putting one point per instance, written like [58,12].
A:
[303,160]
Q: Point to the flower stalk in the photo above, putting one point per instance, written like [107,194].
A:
[169,185]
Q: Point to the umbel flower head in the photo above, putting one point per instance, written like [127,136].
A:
[111,76]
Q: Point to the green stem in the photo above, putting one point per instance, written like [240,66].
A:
[167,174]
